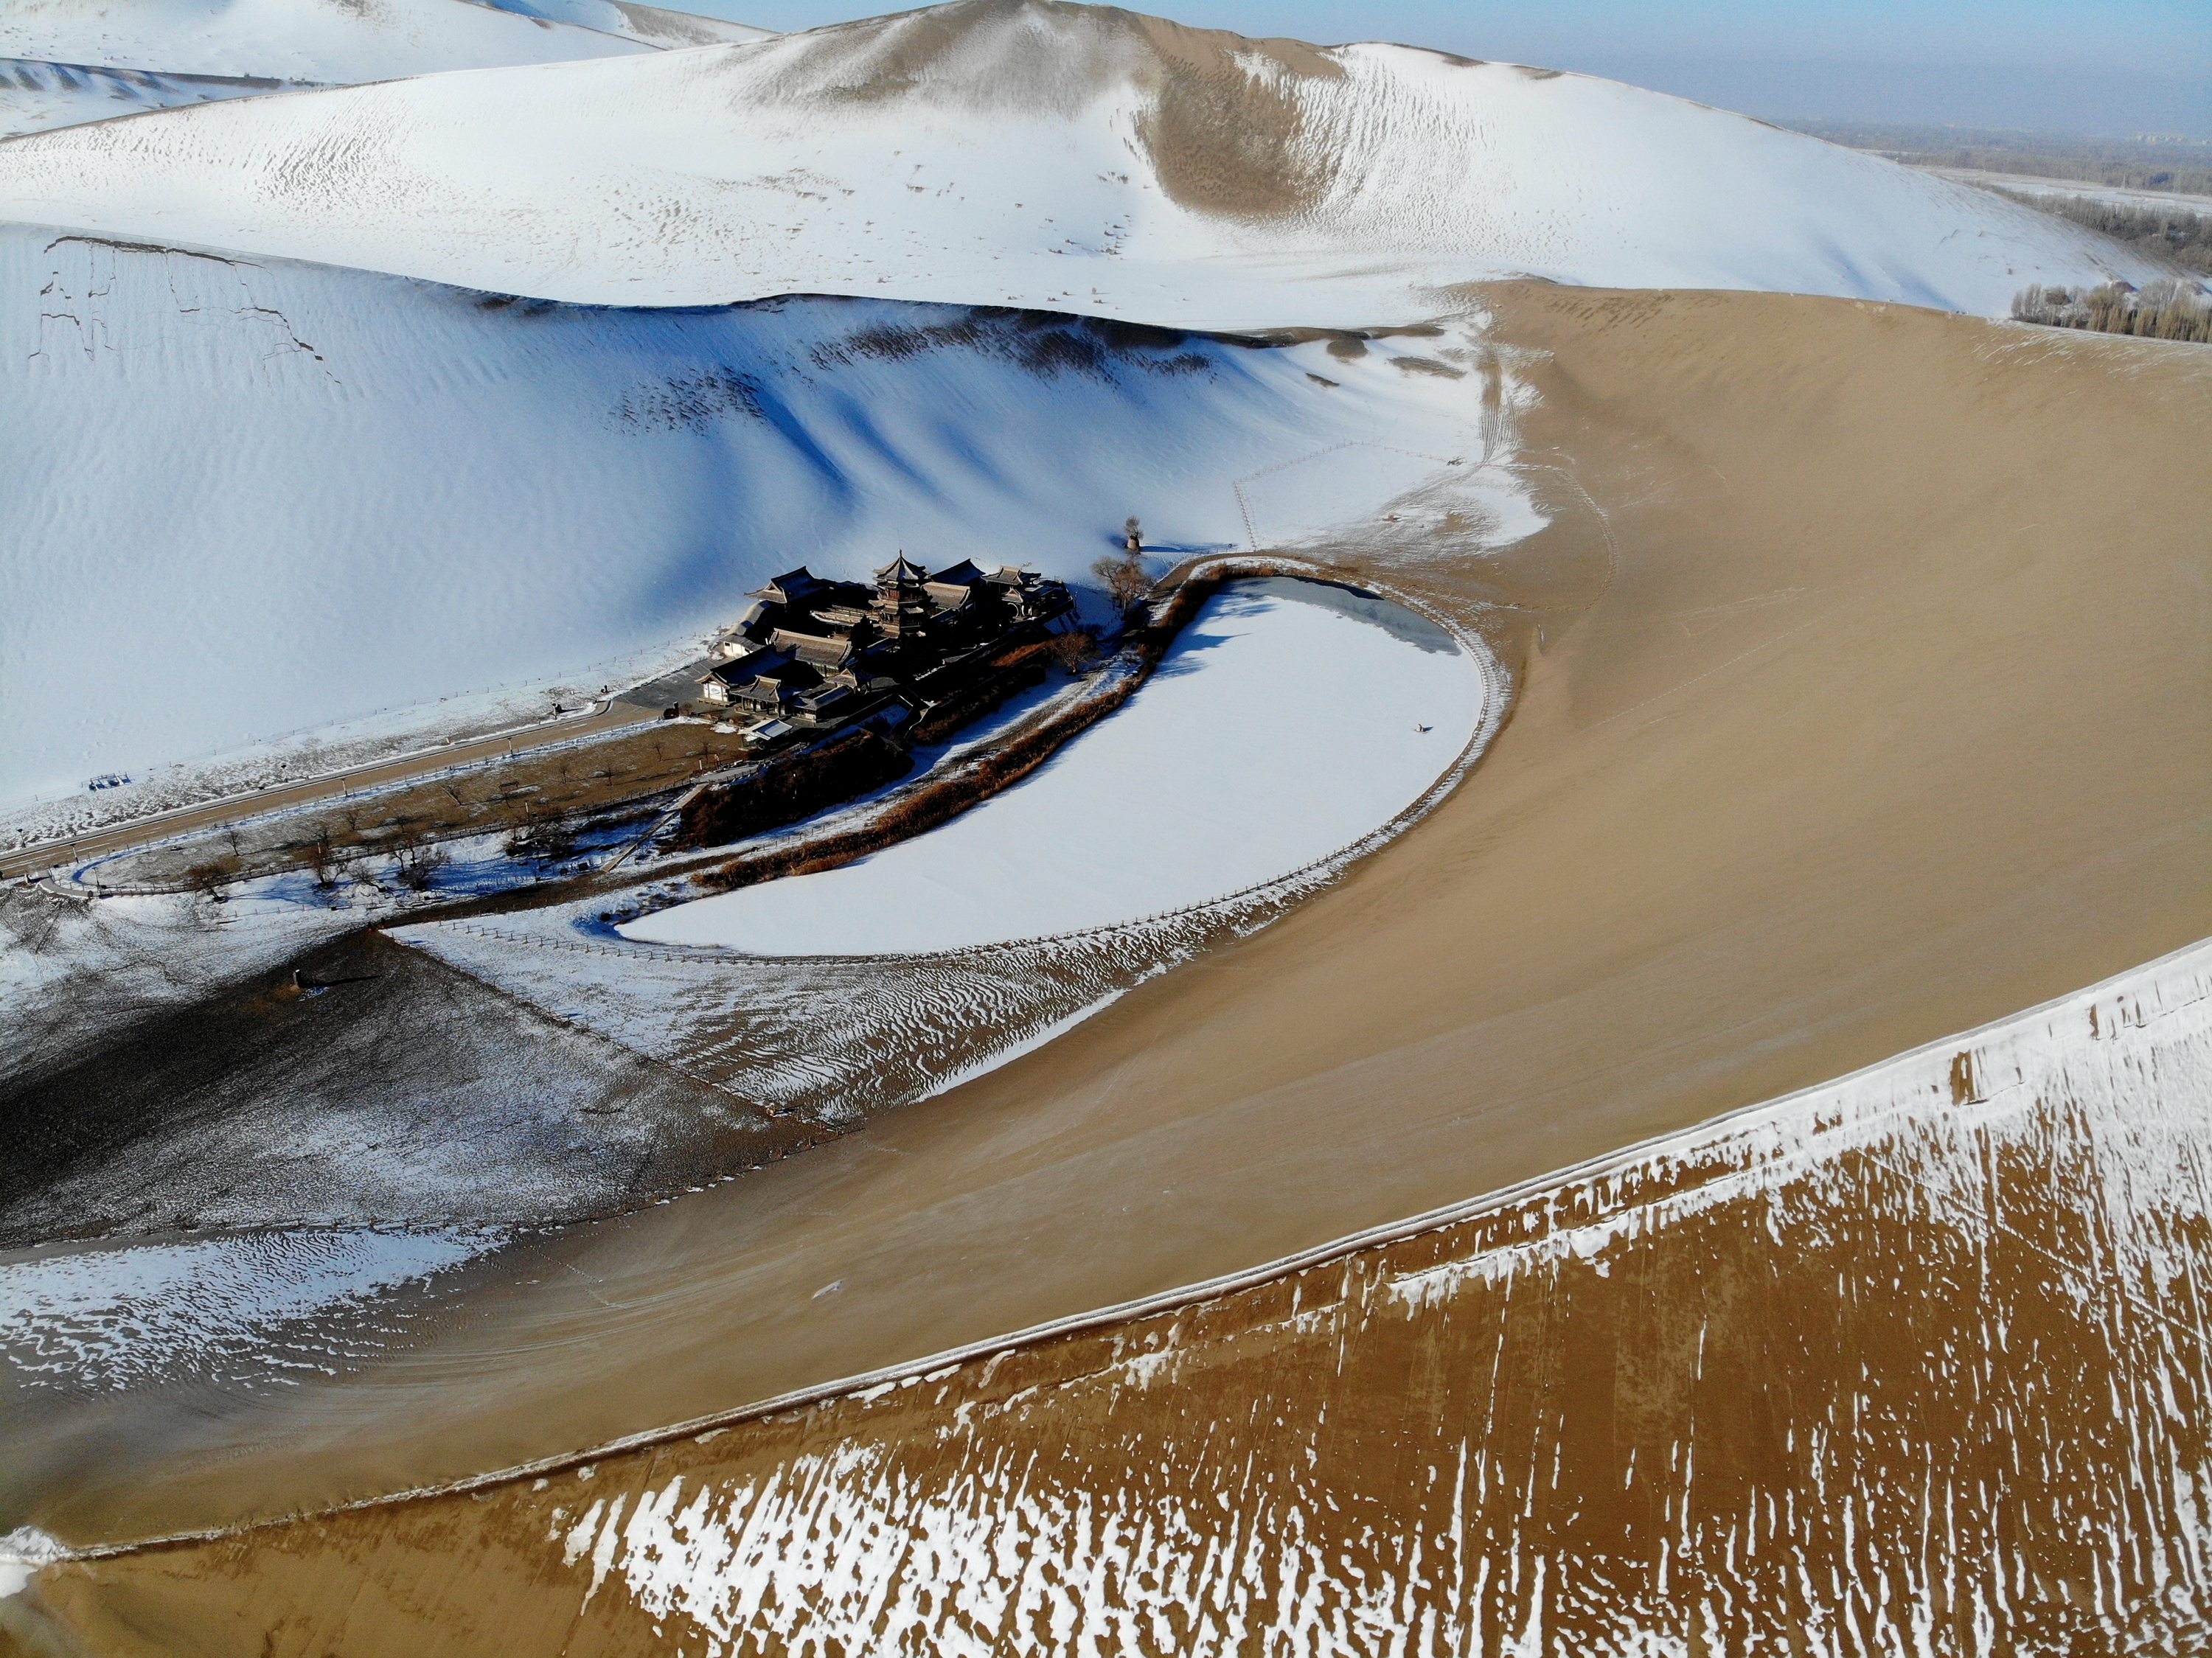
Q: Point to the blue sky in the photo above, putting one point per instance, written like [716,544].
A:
[2101,66]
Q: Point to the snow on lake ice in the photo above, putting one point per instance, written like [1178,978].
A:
[1283,725]
[218,1306]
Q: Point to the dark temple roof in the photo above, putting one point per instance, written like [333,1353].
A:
[744,668]
[792,588]
[963,575]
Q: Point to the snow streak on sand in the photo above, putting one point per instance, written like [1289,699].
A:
[1045,155]
[2039,1181]
[1277,730]
[504,491]
[216,1309]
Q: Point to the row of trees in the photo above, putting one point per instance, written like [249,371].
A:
[417,857]
[2174,309]
[2171,233]
[542,833]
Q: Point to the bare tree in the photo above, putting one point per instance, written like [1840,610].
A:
[420,864]
[1075,651]
[418,857]
[1124,580]
[542,836]
[322,856]
[209,879]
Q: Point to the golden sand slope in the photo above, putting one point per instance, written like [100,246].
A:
[1892,715]
[1911,1363]
[1865,702]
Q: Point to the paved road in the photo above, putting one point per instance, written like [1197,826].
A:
[99,842]
[681,685]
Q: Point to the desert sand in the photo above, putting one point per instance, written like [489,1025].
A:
[1671,1400]
[1862,700]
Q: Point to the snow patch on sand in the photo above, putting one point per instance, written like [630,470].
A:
[22,1552]
[119,1318]
[73,972]
[940,1539]
[1280,729]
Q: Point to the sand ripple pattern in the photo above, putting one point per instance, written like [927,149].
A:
[255,1310]
[838,1038]
[1912,1364]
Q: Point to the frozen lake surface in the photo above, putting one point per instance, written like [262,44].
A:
[1288,721]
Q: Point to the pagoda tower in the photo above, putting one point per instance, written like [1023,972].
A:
[901,608]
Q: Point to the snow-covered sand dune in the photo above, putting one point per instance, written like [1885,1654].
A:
[1045,155]
[1280,728]
[330,41]
[79,62]
[92,60]
[654,25]
[258,496]
[36,95]
[415,491]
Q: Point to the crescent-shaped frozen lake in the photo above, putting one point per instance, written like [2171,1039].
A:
[1289,719]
